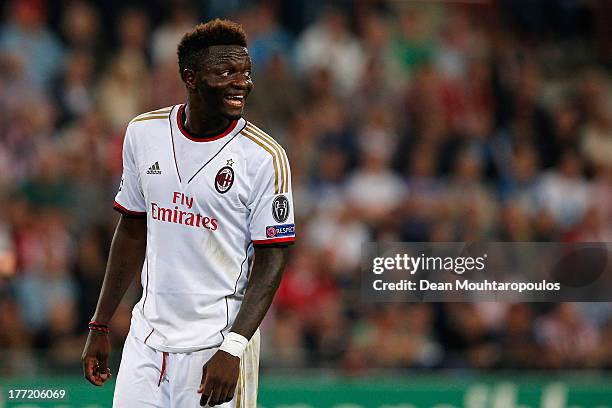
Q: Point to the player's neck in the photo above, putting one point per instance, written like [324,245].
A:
[200,123]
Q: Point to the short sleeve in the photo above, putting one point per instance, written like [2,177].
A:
[271,219]
[130,198]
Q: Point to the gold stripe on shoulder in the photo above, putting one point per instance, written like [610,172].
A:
[167,109]
[164,111]
[282,151]
[277,155]
[283,161]
[261,144]
[151,117]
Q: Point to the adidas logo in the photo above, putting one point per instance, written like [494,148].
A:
[154,169]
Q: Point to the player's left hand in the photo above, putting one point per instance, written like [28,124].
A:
[219,378]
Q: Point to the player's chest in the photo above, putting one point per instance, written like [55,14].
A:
[211,177]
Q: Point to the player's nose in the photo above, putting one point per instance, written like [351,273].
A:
[243,82]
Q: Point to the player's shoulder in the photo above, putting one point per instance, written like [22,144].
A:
[151,118]
[267,155]
[260,143]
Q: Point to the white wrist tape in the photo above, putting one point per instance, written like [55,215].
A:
[235,344]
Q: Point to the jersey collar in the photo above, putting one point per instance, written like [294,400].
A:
[230,129]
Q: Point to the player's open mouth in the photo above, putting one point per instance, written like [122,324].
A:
[236,101]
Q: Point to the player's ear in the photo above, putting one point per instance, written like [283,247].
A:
[189,78]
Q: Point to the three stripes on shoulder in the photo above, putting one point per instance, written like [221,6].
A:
[279,157]
[162,113]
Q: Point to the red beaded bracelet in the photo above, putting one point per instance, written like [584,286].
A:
[98,327]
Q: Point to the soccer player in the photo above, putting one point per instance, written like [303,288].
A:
[207,216]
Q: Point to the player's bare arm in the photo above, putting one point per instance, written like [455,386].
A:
[125,260]
[220,374]
[265,279]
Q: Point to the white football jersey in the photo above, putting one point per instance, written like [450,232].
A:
[207,203]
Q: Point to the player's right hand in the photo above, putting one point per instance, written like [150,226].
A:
[95,358]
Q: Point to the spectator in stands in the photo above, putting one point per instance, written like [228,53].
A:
[26,40]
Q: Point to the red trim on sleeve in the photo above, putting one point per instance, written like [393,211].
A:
[125,211]
[185,133]
[273,240]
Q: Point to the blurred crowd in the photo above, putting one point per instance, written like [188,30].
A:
[403,121]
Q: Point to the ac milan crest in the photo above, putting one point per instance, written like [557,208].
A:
[224,179]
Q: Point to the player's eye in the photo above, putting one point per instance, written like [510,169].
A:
[225,73]
[248,74]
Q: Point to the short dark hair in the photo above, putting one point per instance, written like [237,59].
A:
[215,32]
